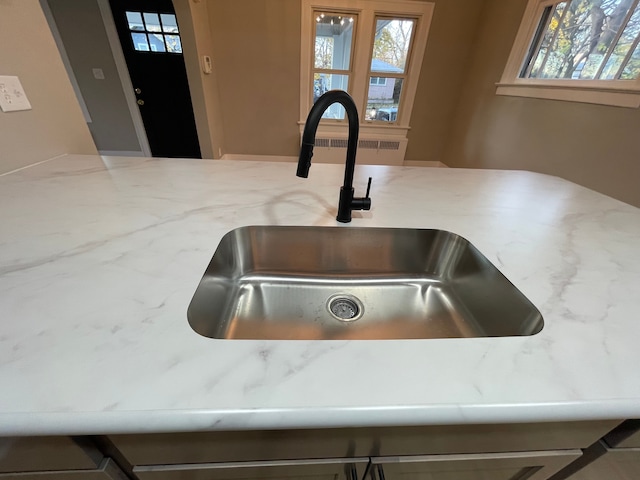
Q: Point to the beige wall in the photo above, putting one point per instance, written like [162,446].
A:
[257,53]
[444,69]
[195,32]
[55,125]
[256,46]
[595,146]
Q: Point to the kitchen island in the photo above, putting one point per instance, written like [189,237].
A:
[100,259]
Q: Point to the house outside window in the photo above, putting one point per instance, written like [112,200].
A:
[373,49]
[577,50]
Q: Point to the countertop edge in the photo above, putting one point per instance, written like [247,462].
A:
[170,421]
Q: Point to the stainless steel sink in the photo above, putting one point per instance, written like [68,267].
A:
[329,283]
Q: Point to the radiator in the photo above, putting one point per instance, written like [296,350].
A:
[371,151]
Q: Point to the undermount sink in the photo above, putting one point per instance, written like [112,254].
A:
[333,283]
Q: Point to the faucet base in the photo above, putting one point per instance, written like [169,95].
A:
[344,205]
[347,203]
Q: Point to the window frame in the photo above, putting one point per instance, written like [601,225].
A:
[620,93]
[367,12]
[386,75]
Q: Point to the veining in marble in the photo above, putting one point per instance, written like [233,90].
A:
[100,258]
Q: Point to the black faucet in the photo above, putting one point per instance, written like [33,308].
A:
[347,201]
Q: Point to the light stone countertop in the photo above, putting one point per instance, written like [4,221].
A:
[99,261]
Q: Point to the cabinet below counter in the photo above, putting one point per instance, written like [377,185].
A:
[55,458]
[615,457]
[499,452]
[532,451]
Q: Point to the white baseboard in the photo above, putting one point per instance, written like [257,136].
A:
[2,174]
[277,158]
[258,158]
[121,153]
[418,163]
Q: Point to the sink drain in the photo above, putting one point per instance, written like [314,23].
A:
[345,308]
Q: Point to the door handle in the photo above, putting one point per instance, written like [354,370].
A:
[138,91]
[140,102]
[352,472]
[377,472]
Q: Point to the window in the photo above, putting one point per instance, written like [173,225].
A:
[579,50]
[373,49]
[390,55]
[381,81]
[332,56]
[153,32]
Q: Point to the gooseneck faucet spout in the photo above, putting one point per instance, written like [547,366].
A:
[347,201]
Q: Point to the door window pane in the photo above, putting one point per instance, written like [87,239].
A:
[391,45]
[135,21]
[383,99]
[140,42]
[322,83]
[156,41]
[169,23]
[333,41]
[173,43]
[152,22]
[152,41]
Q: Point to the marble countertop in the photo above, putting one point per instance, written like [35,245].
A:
[100,259]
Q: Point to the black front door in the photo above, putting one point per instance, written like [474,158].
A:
[150,39]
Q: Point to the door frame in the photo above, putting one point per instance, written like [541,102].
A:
[123,73]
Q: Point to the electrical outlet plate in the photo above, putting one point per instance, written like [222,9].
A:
[12,95]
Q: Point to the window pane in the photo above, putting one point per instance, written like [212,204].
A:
[322,83]
[140,42]
[625,43]
[157,42]
[169,23]
[135,21]
[383,99]
[152,21]
[173,43]
[391,45]
[632,69]
[334,37]
[578,37]
[547,38]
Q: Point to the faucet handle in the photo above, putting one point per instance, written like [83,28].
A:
[361,203]
[368,188]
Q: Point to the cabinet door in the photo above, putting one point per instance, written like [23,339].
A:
[632,442]
[616,464]
[35,454]
[499,466]
[326,469]
[107,470]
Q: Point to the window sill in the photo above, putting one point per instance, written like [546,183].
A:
[365,128]
[598,96]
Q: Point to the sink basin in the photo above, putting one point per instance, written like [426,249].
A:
[334,283]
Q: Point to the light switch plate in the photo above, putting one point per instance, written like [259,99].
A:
[12,95]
